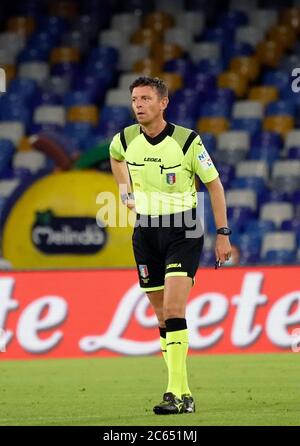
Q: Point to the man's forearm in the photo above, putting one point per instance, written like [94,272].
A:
[121,175]
[218,203]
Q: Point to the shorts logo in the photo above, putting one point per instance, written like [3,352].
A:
[143,271]
[173,265]
[171,178]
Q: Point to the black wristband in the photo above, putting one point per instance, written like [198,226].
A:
[224,231]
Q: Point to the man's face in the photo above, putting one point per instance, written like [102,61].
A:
[147,105]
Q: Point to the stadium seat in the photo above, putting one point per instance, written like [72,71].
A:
[65,55]
[280,108]
[238,216]
[125,22]
[205,50]
[148,67]
[241,197]
[263,94]
[114,38]
[276,78]
[12,131]
[126,79]
[50,114]
[269,53]
[279,257]
[146,37]
[180,36]
[252,168]
[291,18]
[172,80]
[65,9]
[263,18]
[249,34]
[169,6]
[237,82]
[131,54]
[182,66]
[118,97]
[32,160]
[192,20]
[21,25]
[83,113]
[252,125]
[38,71]
[12,41]
[159,21]
[279,123]
[213,125]
[162,52]
[247,66]
[279,240]
[292,138]
[283,34]
[286,168]
[7,187]
[276,212]
[233,140]
[249,182]
[7,57]
[247,109]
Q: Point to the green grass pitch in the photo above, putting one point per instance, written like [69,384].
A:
[229,390]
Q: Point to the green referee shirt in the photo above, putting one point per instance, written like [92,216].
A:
[163,168]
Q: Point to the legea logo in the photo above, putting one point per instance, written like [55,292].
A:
[2,81]
[296,81]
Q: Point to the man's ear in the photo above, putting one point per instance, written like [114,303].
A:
[164,102]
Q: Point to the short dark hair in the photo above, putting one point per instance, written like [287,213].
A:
[153,82]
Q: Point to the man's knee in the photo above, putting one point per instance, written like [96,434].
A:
[174,310]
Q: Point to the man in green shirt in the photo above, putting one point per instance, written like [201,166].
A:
[163,159]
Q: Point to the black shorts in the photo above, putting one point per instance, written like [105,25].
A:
[166,246]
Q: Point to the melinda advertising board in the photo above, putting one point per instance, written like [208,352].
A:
[104,313]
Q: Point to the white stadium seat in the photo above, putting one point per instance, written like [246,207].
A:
[32,160]
[50,114]
[253,169]
[117,96]
[241,197]
[248,109]
[12,130]
[234,139]
[39,71]
[278,241]
[276,212]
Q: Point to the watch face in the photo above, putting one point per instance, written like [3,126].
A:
[224,231]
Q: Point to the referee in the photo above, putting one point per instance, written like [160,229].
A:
[162,159]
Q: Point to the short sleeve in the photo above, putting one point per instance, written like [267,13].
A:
[199,161]
[116,149]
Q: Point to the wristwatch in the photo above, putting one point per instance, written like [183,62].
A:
[126,197]
[224,231]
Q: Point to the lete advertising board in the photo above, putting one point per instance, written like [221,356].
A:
[104,313]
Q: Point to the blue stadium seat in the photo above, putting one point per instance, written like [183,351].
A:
[232,19]
[211,66]
[54,24]
[266,139]
[268,154]
[239,215]
[272,195]
[201,82]
[107,55]
[222,95]
[276,78]
[47,98]
[280,108]
[249,258]
[294,153]
[208,257]
[78,97]
[280,257]
[226,172]
[6,153]
[43,40]
[255,183]
[33,55]
[181,66]
[218,34]
[213,108]
[209,141]
[259,227]
[252,125]
[78,132]
[65,68]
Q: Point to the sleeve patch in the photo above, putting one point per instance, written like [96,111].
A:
[205,160]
